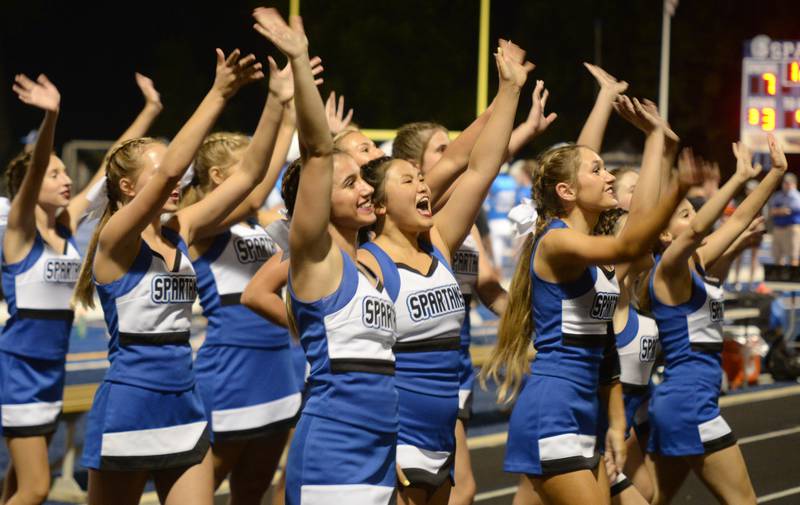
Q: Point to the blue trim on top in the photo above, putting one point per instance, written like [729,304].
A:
[339,298]
[216,248]
[571,289]
[132,277]
[628,333]
[391,275]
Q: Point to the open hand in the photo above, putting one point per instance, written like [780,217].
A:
[234,72]
[289,39]
[670,136]
[689,172]
[634,112]
[744,161]
[776,154]
[40,93]
[537,122]
[337,120]
[608,83]
[281,81]
[511,70]
[151,96]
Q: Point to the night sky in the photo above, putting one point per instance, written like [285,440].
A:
[396,61]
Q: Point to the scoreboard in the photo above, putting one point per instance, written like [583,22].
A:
[771,93]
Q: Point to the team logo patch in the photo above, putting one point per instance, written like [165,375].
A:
[435,302]
[603,306]
[254,249]
[173,288]
[647,349]
[62,270]
[378,314]
[465,262]
[716,309]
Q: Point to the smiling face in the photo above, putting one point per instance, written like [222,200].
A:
[56,187]
[351,196]
[434,149]
[361,148]
[406,198]
[594,189]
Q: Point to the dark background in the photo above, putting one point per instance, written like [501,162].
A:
[396,60]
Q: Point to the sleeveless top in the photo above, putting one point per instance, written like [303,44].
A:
[38,291]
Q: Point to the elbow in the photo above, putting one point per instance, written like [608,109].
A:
[319,148]
[248,298]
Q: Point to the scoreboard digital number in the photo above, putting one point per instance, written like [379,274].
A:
[771,93]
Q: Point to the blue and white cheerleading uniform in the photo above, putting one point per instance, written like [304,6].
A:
[430,311]
[554,424]
[343,449]
[147,413]
[35,339]
[465,268]
[244,368]
[685,418]
[637,347]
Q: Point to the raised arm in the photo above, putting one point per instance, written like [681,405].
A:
[441,178]
[654,175]
[720,240]
[308,237]
[21,227]
[571,250]
[749,238]
[595,128]
[79,204]
[455,219]
[534,125]
[675,261]
[244,191]
[262,294]
[123,228]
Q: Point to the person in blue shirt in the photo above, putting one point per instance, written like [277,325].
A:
[784,208]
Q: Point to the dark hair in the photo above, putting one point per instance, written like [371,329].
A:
[374,172]
[608,221]
[290,183]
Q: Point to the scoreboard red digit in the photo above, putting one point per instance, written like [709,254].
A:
[771,92]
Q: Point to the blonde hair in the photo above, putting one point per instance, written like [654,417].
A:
[122,162]
[516,325]
[412,139]
[217,150]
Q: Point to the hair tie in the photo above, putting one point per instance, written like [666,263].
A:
[98,199]
[523,217]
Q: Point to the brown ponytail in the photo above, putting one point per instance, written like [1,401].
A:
[516,327]
[15,172]
[122,161]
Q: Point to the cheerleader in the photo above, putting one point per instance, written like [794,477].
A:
[40,266]
[344,444]
[244,369]
[424,144]
[413,251]
[687,430]
[560,290]
[147,419]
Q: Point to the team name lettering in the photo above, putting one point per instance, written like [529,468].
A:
[603,306]
[465,262]
[253,249]
[57,270]
[435,302]
[647,349]
[173,289]
[717,310]
[378,314]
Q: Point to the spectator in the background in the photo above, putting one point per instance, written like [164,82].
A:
[501,199]
[784,208]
